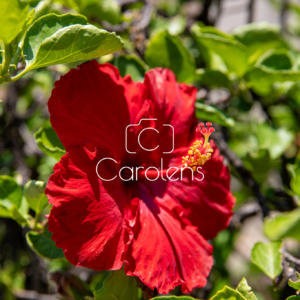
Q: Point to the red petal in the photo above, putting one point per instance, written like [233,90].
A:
[90,104]
[208,203]
[165,252]
[90,219]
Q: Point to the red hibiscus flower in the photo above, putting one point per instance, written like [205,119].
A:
[157,227]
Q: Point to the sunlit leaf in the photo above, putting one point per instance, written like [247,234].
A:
[210,113]
[64,39]
[168,51]
[283,225]
[231,51]
[295,284]
[259,38]
[10,195]
[48,141]
[118,286]
[228,293]
[245,290]
[34,192]
[13,14]
[267,257]
[132,65]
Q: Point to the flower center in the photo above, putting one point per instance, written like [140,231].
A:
[200,152]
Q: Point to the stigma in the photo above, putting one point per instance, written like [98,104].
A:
[200,152]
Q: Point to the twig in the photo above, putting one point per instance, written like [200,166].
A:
[283,14]
[289,257]
[248,210]
[251,7]
[245,174]
[116,28]
[204,16]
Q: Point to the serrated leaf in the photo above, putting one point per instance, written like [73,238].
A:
[268,258]
[118,286]
[13,14]
[34,192]
[228,293]
[168,51]
[283,225]
[44,28]
[130,65]
[48,141]
[43,245]
[295,284]
[245,290]
[212,114]
[10,194]
[68,40]
[232,52]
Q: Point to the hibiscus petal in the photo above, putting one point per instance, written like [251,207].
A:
[90,218]
[208,203]
[165,252]
[90,104]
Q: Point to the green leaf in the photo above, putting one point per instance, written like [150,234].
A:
[168,51]
[173,298]
[62,39]
[34,192]
[213,78]
[294,171]
[43,245]
[48,141]
[212,114]
[10,194]
[118,286]
[18,217]
[259,38]
[132,65]
[283,225]
[13,15]
[276,60]
[274,140]
[245,290]
[106,10]
[232,52]
[295,284]
[293,298]
[228,294]
[262,79]
[268,258]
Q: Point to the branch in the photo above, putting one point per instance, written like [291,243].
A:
[246,176]
[204,16]
[289,257]
[283,14]
[251,11]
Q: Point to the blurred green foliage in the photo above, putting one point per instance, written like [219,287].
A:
[248,84]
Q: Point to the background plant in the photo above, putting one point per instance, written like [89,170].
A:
[248,86]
